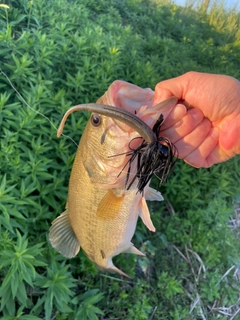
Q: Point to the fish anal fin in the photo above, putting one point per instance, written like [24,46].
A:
[110,267]
[115,269]
[110,206]
[145,215]
[62,236]
[134,250]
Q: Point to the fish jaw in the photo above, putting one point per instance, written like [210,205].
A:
[138,101]
[127,96]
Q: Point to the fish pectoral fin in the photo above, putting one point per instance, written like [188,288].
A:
[145,215]
[153,195]
[110,206]
[62,236]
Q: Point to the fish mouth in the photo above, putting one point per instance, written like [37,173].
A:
[154,156]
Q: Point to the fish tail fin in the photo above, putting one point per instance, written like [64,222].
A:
[62,236]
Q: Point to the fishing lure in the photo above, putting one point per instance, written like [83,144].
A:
[154,158]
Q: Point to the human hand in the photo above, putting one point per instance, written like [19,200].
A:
[208,131]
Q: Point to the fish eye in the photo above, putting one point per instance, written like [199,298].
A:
[96,120]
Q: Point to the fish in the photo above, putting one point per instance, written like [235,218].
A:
[108,188]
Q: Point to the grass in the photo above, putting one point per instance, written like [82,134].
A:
[191,268]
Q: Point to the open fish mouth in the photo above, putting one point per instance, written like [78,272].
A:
[154,156]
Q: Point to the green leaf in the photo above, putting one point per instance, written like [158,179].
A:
[18,20]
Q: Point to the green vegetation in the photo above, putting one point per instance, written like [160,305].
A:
[59,53]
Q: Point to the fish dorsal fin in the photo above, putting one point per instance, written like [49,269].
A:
[62,236]
[110,206]
[153,195]
[145,215]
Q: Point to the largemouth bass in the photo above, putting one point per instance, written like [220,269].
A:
[108,187]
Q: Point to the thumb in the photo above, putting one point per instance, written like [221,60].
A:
[177,87]
[161,94]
